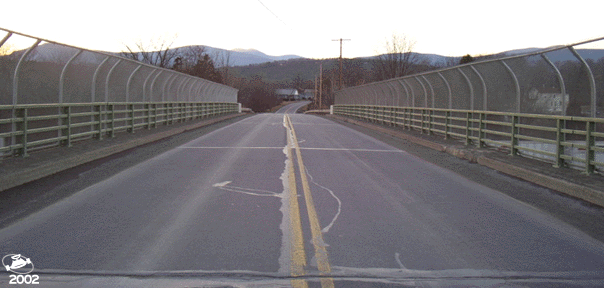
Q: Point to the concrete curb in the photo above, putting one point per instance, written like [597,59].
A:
[588,194]
[21,177]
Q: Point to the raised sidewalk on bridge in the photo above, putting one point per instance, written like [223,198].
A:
[15,171]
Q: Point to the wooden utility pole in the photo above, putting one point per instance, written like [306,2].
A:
[320,83]
[340,82]
[314,94]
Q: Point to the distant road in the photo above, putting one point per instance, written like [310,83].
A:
[292,194]
[292,108]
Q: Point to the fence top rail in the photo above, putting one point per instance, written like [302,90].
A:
[57,105]
[528,54]
[8,31]
[521,115]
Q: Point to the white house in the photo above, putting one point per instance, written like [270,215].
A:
[287,94]
[547,100]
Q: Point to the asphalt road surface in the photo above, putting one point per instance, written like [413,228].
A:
[278,196]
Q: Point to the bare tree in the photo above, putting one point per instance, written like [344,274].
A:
[397,59]
[222,58]
[158,52]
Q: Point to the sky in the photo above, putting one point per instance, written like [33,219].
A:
[307,27]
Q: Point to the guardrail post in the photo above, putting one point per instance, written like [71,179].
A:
[67,131]
[447,123]
[430,123]
[559,147]
[100,121]
[481,128]
[23,115]
[468,131]
[408,116]
[131,114]
[112,116]
[590,154]
[514,140]
[423,115]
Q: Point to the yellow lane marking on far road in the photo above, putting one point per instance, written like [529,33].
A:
[315,226]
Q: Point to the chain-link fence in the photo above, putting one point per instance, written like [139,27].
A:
[51,72]
[53,93]
[563,81]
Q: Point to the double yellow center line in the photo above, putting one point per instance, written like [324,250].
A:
[298,255]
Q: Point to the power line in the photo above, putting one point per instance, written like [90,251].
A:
[269,10]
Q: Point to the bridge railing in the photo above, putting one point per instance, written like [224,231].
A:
[43,125]
[556,95]
[562,80]
[53,93]
[561,140]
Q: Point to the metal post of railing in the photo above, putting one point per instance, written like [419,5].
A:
[61,93]
[152,85]
[67,131]
[18,69]
[448,89]
[514,133]
[131,114]
[431,90]
[129,81]
[470,87]
[24,132]
[425,91]
[592,82]
[560,80]
[108,77]
[590,154]
[468,131]
[484,88]
[16,89]
[111,115]
[100,121]
[94,76]
[516,84]
[145,84]
[64,72]
[447,123]
[559,147]
[481,128]
[170,79]
[412,93]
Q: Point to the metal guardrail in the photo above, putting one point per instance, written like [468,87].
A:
[562,140]
[41,126]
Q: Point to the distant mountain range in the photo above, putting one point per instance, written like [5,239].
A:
[244,57]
